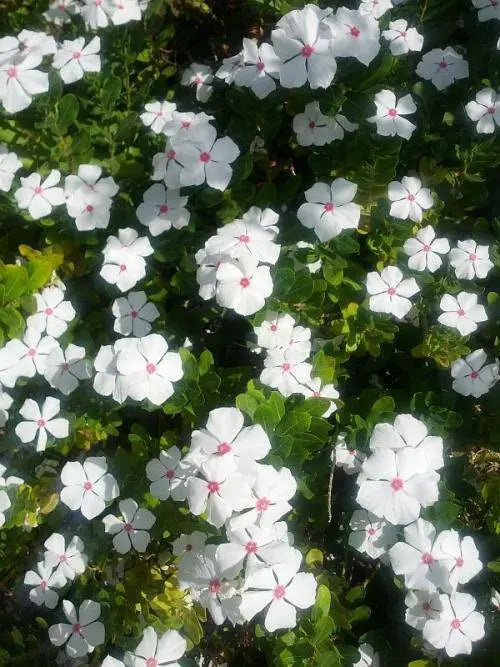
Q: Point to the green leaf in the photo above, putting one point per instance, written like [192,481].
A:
[323,628]
[322,605]
[15,282]
[205,362]
[111,91]
[314,558]
[14,321]
[67,112]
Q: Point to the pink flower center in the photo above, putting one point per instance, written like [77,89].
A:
[38,190]
[77,55]
[391,291]
[494,3]
[459,562]
[393,113]
[151,662]
[77,627]
[214,586]
[87,486]
[63,558]
[260,66]
[472,257]
[273,327]
[352,452]
[170,474]
[133,313]
[65,366]
[163,208]
[443,64]
[12,72]
[98,3]
[285,367]
[89,208]
[44,585]
[460,312]
[41,423]
[355,32]
[198,81]
[123,267]
[48,311]
[171,155]
[455,624]
[186,124]
[329,207]
[151,368]
[397,484]
[426,248]
[251,547]
[403,34]
[426,606]
[427,559]
[411,197]
[128,528]
[244,238]
[205,157]
[262,504]
[371,531]
[159,114]
[312,124]
[244,282]
[307,50]
[474,375]
[223,448]
[213,487]
[316,394]
[279,592]
[31,352]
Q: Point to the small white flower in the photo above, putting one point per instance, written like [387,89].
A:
[96,13]
[347,458]
[64,370]
[200,76]
[82,632]
[89,486]
[418,557]
[73,59]
[485,110]
[389,292]
[267,218]
[389,117]
[230,67]
[25,358]
[154,651]
[261,68]
[275,331]
[39,197]
[61,11]
[371,535]
[124,11]
[52,312]
[316,389]
[162,209]
[462,312]
[69,560]
[443,67]
[157,114]
[167,475]
[241,239]
[43,582]
[402,39]
[243,285]
[9,164]
[312,127]
[20,80]
[470,260]
[124,264]
[329,209]
[134,314]
[132,530]
[471,376]
[193,543]
[108,381]
[422,606]
[409,198]
[355,35]
[89,197]
[40,421]
[287,370]
[487,9]
[459,559]
[375,8]
[424,250]
[457,626]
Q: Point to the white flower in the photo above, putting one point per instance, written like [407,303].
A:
[157,114]
[312,127]
[424,250]
[41,421]
[315,388]
[206,274]
[206,158]
[132,530]
[124,264]
[471,376]
[459,560]
[20,80]
[167,475]
[185,544]
[133,314]
[150,369]
[275,330]
[25,358]
[88,487]
[375,8]
[64,369]
[487,9]
[43,582]
[339,125]
[61,11]
[402,39]
[485,110]
[409,198]
[243,285]
[495,599]
[286,370]
[443,67]
[52,312]
[186,126]
[253,546]
[409,432]
[229,68]
[4,506]
[388,118]
[462,312]
[162,209]
[241,239]
[220,492]
[329,208]
[261,68]
[417,558]
[368,656]
[422,606]
[83,631]
[124,11]
[5,404]
[96,13]
[354,35]
[305,55]
[199,76]
[108,381]
[396,484]
[266,218]
[389,292]
[89,197]
[470,260]
[167,167]
[73,59]
[158,652]
[38,197]
[69,560]
[458,625]
[347,458]
[371,535]
[282,589]
[9,164]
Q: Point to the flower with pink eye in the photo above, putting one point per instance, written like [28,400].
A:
[389,292]
[40,422]
[456,625]
[443,67]
[88,487]
[131,531]
[389,117]
[43,582]
[199,76]
[168,475]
